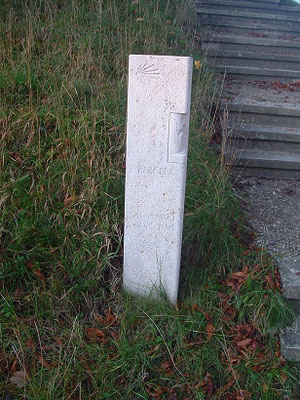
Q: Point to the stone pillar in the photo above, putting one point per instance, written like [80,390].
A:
[159,92]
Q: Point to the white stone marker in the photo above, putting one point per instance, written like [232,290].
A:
[159,93]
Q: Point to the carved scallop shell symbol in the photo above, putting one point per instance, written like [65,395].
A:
[147,70]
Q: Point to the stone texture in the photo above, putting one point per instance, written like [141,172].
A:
[159,92]
[290,342]
[290,277]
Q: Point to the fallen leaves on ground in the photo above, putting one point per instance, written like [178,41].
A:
[207,385]
[36,271]
[152,351]
[18,378]
[95,335]
[238,279]
[209,330]
[167,367]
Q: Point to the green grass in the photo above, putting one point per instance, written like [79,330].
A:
[65,323]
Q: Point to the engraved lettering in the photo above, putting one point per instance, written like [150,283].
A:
[148,220]
[162,171]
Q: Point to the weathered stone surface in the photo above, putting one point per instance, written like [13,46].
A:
[157,136]
[290,342]
[243,43]
[249,14]
[244,113]
[258,7]
[265,172]
[295,305]
[254,74]
[290,278]
[243,24]
[248,59]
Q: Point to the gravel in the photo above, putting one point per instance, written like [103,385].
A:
[273,209]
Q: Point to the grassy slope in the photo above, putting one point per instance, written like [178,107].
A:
[68,331]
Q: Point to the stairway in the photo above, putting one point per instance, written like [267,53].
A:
[257,45]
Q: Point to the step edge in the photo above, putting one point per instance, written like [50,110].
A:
[258,109]
[247,14]
[285,73]
[257,127]
[265,137]
[214,53]
[259,42]
[250,5]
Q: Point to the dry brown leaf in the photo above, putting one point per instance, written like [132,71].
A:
[110,319]
[207,385]
[95,334]
[167,366]
[43,362]
[30,344]
[114,335]
[18,378]
[244,331]
[99,319]
[59,341]
[68,201]
[153,392]
[244,342]
[38,273]
[209,330]
[196,307]
[150,352]
[270,281]
[241,276]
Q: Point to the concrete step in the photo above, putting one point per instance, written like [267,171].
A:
[272,165]
[265,74]
[289,270]
[263,115]
[290,342]
[240,23]
[258,2]
[264,138]
[254,60]
[260,159]
[268,173]
[239,43]
[248,6]
[256,16]
[254,30]
[262,1]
